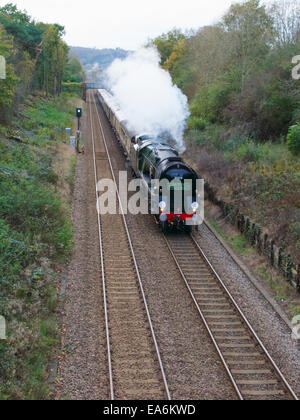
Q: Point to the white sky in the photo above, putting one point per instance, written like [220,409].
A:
[126,24]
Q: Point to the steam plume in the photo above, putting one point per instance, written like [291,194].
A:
[147,96]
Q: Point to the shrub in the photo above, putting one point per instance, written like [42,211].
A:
[293,139]
[34,211]
[73,87]
[14,256]
[198,138]
[234,142]
[247,151]
[196,123]
[210,101]
[52,115]
[35,232]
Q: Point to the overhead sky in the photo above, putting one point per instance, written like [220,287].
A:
[126,24]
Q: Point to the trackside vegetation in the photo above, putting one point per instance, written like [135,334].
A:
[35,223]
[35,237]
[244,131]
[37,59]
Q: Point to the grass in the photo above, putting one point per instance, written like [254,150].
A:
[294,310]
[238,243]
[279,288]
[261,178]
[72,174]
[35,235]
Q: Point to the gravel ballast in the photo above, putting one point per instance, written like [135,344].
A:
[83,371]
[193,369]
[192,366]
[272,330]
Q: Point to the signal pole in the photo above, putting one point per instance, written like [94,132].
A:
[78,115]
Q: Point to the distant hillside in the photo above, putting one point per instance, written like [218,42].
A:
[91,57]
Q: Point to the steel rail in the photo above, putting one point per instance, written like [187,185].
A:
[134,259]
[241,314]
[227,292]
[249,276]
[205,322]
[247,323]
[112,395]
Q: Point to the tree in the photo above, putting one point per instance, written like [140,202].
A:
[209,53]
[293,139]
[238,72]
[251,32]
[7,86]
[26,34]
[73,70]
[40,53]
[178,65]
[286,15]
[166,42]
[53,58]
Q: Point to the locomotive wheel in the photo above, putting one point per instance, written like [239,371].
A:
[188,229]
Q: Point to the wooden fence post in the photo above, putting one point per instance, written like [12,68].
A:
[272,255]
[265,242]
[280,259]
[242,223]
[253,234]
[289,268]
[258,237]
[298,278]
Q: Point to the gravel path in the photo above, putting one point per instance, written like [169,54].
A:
[273,332]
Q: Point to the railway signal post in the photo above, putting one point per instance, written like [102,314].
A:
[78,115]
[78,134]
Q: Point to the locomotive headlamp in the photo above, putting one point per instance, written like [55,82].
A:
[162,205]
[195,206]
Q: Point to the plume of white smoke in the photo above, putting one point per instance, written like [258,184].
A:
[147,96]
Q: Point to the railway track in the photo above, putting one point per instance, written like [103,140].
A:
[251,369]
[134,363]
[253,373]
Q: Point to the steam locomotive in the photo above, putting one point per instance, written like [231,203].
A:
[151,158]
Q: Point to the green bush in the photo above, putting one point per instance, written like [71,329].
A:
[50,114]
[196,123]
[35,233]
[73,87]
[197,138]
[34,211]
[293,139]
[15,254]
[210,101]
[244,149]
